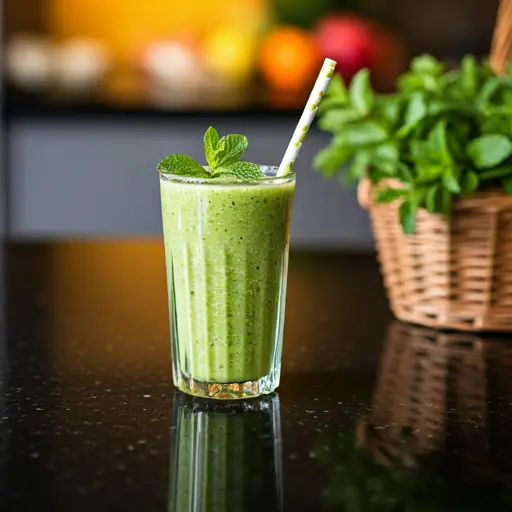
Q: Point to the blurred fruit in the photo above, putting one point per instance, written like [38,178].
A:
[289,58]
[172,63]
[124,24]
[349,40]
[356,43]
[229,53]
[302,13]
[29,61]
[81,63]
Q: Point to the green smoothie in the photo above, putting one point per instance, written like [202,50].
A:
[226,249]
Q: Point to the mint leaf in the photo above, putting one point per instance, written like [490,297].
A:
[389,109]
[428,173]
[387,151]
[385,158]
[359,165]
[426,65]
[211,140]
[431,198]
[229,150]
[362,134]
[338,89]
[330,159]
[389,195]
[416,109]
[407,213]
[438,144]
[420,151]
[450,182]
[241,170]
[333,120]
[182,165]
[468,76]
[488,90]
[489,150]
[336,95]
[360,92]
[470,182]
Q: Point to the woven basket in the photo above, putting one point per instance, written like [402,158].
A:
[453,274]
[452,390]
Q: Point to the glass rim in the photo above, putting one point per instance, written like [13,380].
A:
[267,179]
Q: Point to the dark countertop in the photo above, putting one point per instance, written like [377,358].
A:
[371,414]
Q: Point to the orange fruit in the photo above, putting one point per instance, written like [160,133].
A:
[289,59]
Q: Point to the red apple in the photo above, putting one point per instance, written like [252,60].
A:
[351,41]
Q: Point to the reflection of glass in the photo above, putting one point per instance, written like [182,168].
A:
[226,456]
[438,436]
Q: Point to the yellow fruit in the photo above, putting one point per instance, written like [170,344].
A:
[230,52]
[126,24]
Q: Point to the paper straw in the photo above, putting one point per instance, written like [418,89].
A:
[307,117]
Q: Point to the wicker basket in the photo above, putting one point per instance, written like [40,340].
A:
[446,388]
[450,274]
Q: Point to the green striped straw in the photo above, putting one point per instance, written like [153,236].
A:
[307,117]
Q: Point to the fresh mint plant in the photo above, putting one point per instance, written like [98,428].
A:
[223,156]
[442,135]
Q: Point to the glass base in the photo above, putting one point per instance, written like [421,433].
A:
[228,391]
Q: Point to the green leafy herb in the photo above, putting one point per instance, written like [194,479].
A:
[241,170]
[338,95]
[229,150]
[211,141]
[443,134]
[223,156]
[489,150]
[471,182]
[407,213]
[331,159]
[360,92]
[182,165]
[389,195]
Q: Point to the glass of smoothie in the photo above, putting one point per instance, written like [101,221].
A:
[227,235]
[226,246]
[227,456]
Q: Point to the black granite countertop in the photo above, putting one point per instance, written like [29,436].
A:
[371,414]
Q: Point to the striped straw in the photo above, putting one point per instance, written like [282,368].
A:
[307,117]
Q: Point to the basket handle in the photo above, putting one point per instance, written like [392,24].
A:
[364,193]
[502,38]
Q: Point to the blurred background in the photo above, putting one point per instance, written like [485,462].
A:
[96,92]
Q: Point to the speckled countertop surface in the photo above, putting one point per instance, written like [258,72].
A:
[371,415]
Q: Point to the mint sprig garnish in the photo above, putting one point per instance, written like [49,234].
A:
[223,156]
